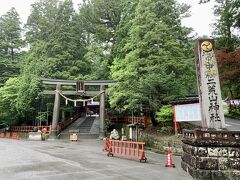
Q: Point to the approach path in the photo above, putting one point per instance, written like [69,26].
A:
[64,160]
[232,124]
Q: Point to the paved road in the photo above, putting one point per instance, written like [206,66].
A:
[232,124]
[63,160]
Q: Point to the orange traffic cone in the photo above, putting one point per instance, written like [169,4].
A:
[169,160]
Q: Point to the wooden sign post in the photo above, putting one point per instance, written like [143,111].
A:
[208,85]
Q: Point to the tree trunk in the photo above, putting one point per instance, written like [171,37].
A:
[153,119]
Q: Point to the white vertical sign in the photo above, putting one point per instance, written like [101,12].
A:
[208,86]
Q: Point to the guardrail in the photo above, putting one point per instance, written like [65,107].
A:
[27,129]
[8,135]
[66,123]
[60,127]
[2,135]
[130,119]
[127,149]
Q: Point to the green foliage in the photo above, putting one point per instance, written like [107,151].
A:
[101,18]
[8,96]
[168,130]
[226,33]
[140,44]
[152,58]
[41,117]
[10,44]
[97,62]
[165,114]
[227,25]
[108,125]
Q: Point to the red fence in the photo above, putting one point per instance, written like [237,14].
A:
[27,129]
[66,123]
[2,135]
[60,126]
[130,119]
[8,135]
[127,149]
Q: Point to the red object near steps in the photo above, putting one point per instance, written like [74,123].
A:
[169,160]
[128,149]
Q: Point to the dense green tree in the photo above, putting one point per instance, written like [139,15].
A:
[10,44]
[41,20]
[34,65]
[97,63]
[8,96]
[67,44]
[226,33]
[151,69]
[57,25]
[100,19]
[55,52]
[227,25]
[141,41]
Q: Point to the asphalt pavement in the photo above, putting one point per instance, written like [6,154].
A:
[232,124]
[64,160]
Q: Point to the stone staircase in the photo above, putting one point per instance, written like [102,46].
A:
[88,128]
[85,127]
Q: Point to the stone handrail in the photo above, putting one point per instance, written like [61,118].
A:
[211,137]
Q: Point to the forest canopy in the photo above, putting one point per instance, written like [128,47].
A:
[139,43]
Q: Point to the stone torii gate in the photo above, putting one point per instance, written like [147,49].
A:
[80,91]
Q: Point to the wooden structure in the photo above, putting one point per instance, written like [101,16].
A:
[211,152]
[80,91]
[27,129]
[185,110]
[210,98]
[130,119]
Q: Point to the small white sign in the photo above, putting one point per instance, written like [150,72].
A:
[187,112]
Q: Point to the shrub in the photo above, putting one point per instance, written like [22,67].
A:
[168,130]
[108,125]
[165,114]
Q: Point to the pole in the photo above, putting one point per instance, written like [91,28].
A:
[102,112]
[56,110]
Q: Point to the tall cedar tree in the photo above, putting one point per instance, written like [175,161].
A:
[154,67]
[227,26]
[10,45]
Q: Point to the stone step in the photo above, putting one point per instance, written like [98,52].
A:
[84,127]
[81,136]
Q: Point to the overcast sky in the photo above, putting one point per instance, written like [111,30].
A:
[200,20]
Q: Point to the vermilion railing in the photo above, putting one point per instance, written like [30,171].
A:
[130,119]
[63,125]
[60,126]
[27,129]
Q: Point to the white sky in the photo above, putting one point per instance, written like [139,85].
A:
[200,20]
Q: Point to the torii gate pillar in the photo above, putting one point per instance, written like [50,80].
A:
[56,110]
[102,112]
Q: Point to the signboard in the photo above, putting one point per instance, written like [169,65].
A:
[80,87]
[187,112]
[208,86]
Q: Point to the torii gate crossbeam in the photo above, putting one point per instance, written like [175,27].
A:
[56,109]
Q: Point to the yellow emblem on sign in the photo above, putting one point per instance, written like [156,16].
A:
[206,46]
